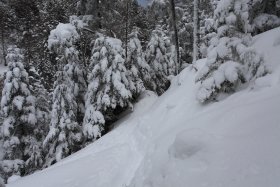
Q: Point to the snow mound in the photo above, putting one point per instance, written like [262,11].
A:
[189,143]
[13,178]
[175,141]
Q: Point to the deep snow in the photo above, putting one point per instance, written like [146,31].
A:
[175,141]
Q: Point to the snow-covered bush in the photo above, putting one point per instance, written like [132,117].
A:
[109,85]
[265,22]
[13,178]
[264,15]
[136,65]
[65,133]
[158,57]
[230,59]
[18,110]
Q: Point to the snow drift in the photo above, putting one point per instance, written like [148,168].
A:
[175,141]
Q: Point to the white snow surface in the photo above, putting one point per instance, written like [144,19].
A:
[173,140]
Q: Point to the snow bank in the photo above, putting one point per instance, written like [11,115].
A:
[174,141]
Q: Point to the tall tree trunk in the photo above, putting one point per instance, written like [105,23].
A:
[126,27]
[195,30]
[3,47]
[175,35]
[98,14]
[198,26]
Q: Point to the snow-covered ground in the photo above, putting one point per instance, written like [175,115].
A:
[173,140]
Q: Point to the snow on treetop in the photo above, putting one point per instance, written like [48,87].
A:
[80,22]
[63,34]
[116,44]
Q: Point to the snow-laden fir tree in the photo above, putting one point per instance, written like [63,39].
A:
[109,85]
[18,130]
[264,14]
[42,109]
[42,96]
[62,41]
[231,60]
[136,64]
[158,57]
[64,135]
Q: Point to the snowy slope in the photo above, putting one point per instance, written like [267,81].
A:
[174,141]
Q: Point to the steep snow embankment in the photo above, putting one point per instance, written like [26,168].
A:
[174,141]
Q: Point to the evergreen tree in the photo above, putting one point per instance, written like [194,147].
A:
[136,65]
[109,85]
[64,135]
[158,57]
[158,14]
[62,41]
[5,22]
[115,18]
[19,113]
[264,15]
[42,109]
[230,59]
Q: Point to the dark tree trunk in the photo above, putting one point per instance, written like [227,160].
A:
[126,27]
[175,35]
[3,47]
[98,15]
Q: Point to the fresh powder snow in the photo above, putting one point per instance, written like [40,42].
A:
[173,140]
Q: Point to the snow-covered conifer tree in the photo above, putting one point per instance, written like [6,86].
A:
[109,85]
[136,64]
[65,133]
[158,57]
[62,41]
[264,14]
[19,114]
[230,59]
[42,110]
[67,114]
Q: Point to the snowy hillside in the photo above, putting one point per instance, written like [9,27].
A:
[175,141]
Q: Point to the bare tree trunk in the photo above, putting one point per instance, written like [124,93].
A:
[198,27]
[175,35]
[195,30]
[126,27]
[98,14]
[3,47]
